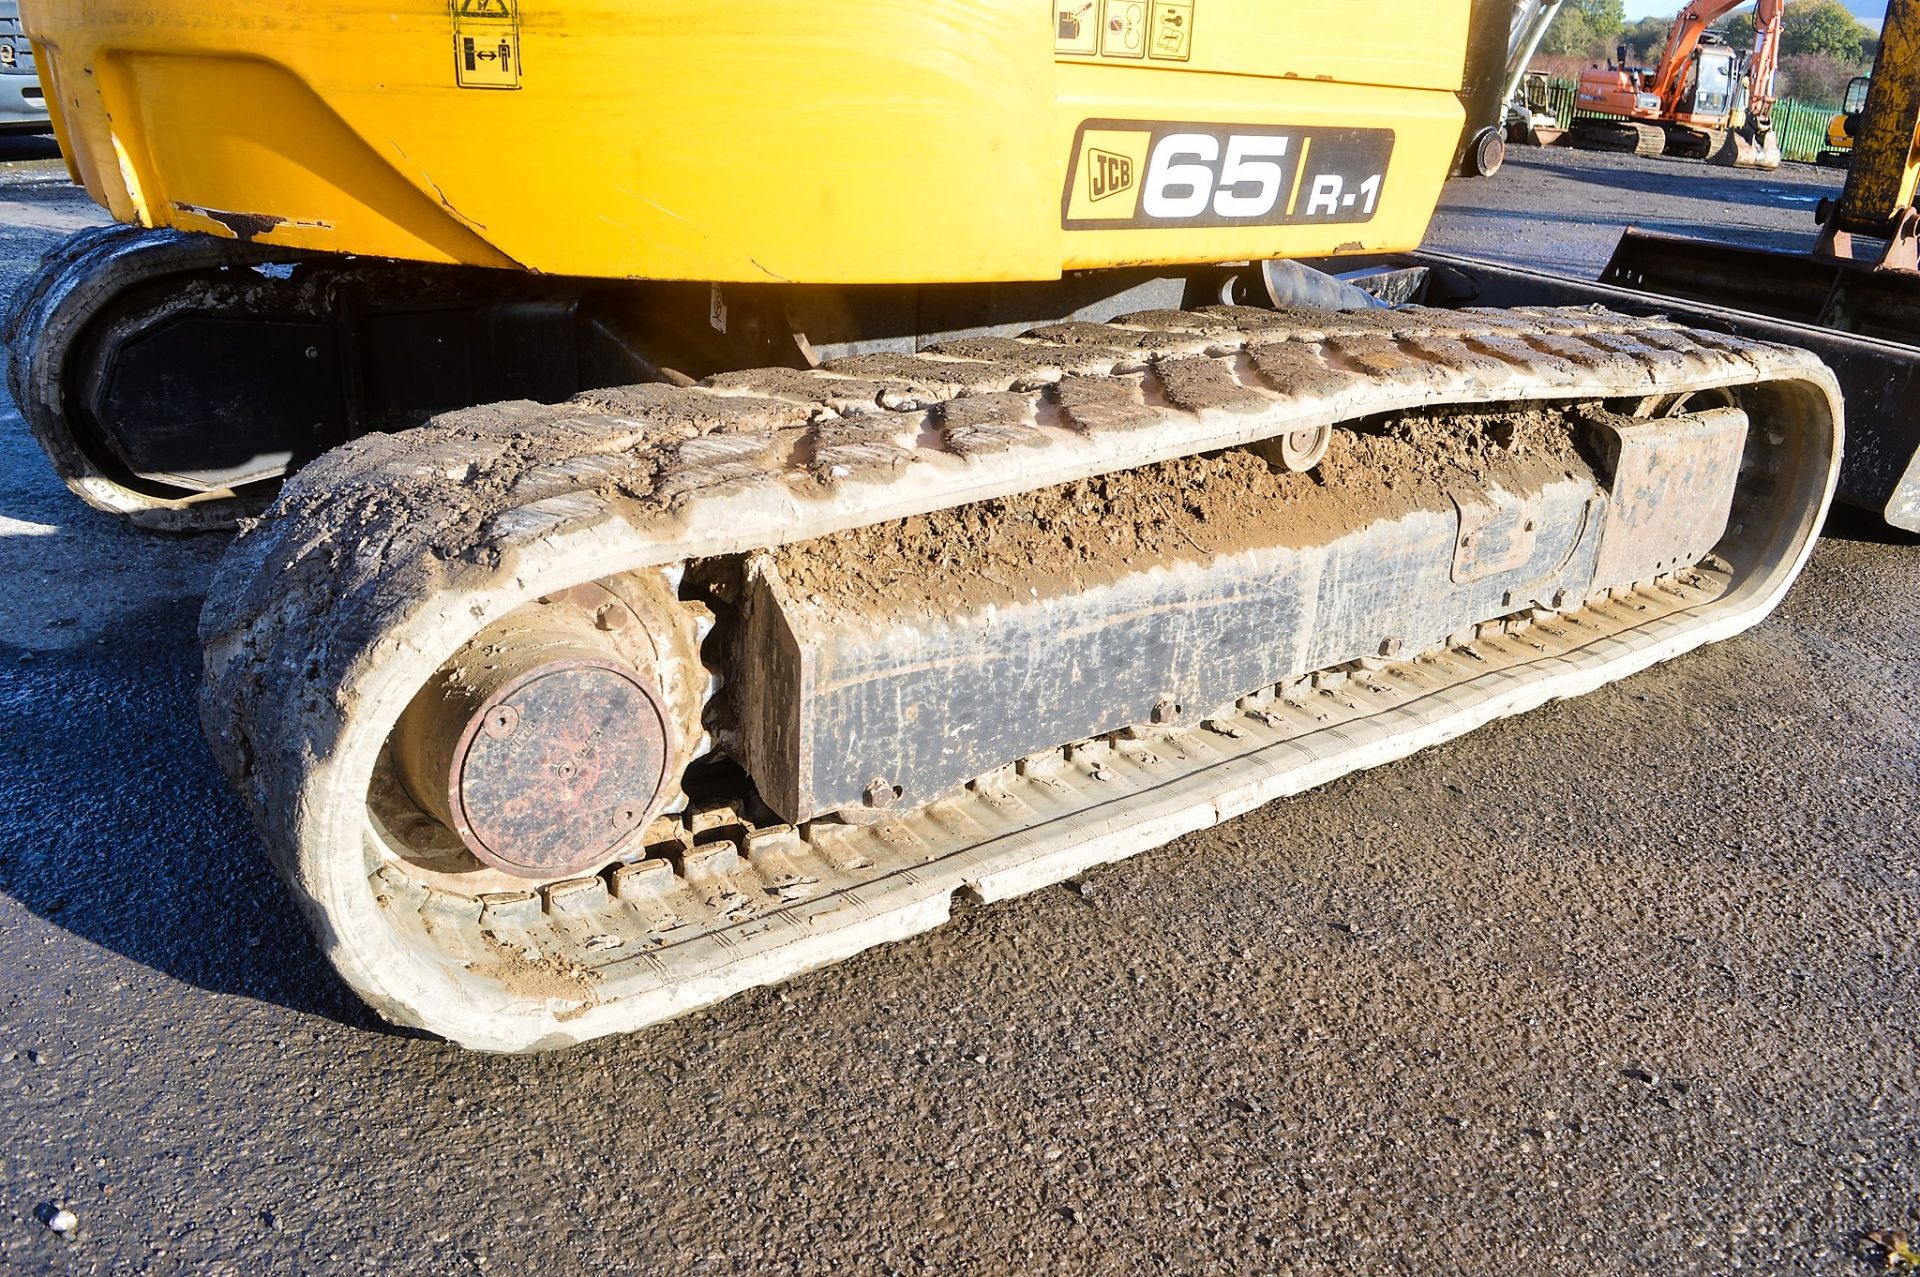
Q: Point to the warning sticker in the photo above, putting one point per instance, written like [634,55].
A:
[1171,38]
[1077,27]
[1134,29]
[486,44]
[1123,29]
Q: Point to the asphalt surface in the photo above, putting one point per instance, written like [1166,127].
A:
[1627,985]
[1562,210]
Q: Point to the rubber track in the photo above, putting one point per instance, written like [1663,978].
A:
[50,312]
[381,557]
[1649,141]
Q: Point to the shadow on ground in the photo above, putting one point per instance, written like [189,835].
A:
[28,146]
[1850,523]
[120,835]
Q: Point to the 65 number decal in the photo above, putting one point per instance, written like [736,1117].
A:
[1188,175]
[1132,174]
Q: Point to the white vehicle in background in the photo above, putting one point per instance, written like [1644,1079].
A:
[23,105]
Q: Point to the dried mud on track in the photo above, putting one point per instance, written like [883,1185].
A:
[1628,985]
[1192,509]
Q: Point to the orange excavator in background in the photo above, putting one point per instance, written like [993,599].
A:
[1705,101]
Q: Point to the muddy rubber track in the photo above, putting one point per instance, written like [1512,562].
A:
[1621,137]
[379,559]
[47,318]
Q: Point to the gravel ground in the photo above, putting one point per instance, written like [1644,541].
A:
[1624,986]
[1562,210]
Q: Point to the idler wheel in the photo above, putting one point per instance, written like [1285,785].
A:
[545,754]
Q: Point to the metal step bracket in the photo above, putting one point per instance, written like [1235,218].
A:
[1673,482]
[1498,532]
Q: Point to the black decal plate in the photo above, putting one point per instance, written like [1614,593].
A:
[1138,173]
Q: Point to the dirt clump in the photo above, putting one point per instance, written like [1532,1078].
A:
[536,976]
[1192,509]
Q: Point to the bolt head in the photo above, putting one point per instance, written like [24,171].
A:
[501,722]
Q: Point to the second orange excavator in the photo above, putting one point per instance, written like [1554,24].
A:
[1705,101]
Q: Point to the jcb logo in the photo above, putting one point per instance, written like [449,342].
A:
[1108,174]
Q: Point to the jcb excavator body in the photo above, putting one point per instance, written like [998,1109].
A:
[585,139]
[801,464]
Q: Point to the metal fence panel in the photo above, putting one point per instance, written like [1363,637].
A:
[1800,126]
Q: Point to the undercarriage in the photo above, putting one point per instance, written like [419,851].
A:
[564,719]
[714,487]
[1741,147]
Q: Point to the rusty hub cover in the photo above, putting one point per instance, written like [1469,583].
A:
[559,768]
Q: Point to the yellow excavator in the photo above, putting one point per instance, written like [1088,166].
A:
[1843,125]
[719,483]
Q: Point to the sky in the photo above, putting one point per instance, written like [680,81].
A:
[1667,8]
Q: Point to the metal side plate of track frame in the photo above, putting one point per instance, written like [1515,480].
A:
[884,703]
[380,560]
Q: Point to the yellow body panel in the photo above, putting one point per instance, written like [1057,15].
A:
[761,140]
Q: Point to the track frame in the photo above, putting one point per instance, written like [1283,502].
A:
[385,556]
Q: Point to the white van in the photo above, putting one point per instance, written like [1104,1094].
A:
[23,105]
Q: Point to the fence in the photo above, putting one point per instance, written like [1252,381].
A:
[1800,126]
